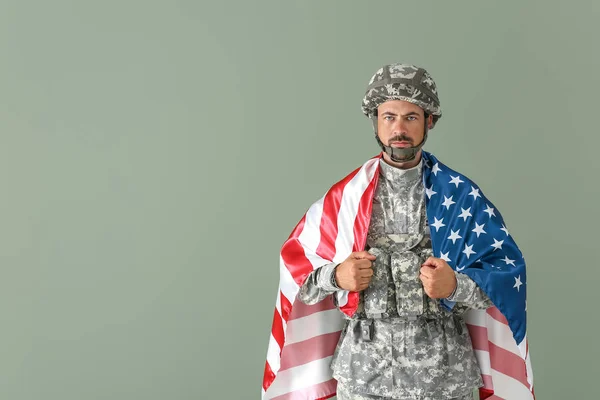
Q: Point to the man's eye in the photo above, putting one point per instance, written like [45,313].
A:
[411,118]
[388,117]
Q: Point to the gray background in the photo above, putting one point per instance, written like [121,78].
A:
[155,155]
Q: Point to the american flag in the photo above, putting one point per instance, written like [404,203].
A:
[466,230]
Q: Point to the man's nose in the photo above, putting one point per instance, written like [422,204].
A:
[399,127]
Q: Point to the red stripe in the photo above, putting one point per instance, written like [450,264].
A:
[268,376]
[320,391]
[302,310]
[286,307]
[497,315]
[363,216]
[488,395]
[277,329]
[479,337]
[295,260]
[309,350]
[508,363]
[488,383]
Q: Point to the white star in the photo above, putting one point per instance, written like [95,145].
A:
[453,236]
[461,268]
[444,256]
[438,223]
[430,192]
[518,283]
[468,250]
[474,193]
[504,229]
[465,213]
[435,169]
[490,211]
[509,261]
[448,202]
[497,244]
[479,229]
[455,179]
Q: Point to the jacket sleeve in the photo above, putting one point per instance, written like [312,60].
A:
[319,284]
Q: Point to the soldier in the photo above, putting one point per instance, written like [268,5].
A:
[401,343]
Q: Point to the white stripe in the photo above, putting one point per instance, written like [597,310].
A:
[509,388]
[342,297]
[351,197]
[300,377]
[310,237]
[287,284]
[483,359]
[523,347]
[529,370]
[313,325]
[476,317]
[273,354]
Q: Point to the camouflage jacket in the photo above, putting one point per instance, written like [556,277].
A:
[400,343]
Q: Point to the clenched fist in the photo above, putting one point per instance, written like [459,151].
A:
[439,280]
[355,272]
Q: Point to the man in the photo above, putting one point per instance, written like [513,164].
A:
[404,334]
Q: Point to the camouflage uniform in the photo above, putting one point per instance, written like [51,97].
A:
[400,344]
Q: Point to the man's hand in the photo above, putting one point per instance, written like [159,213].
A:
[355,272]
[439,280]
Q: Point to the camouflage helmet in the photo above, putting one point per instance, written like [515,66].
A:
[402,82]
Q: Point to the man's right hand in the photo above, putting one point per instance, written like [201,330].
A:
[355,272]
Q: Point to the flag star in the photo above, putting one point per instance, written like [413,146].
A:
[504,229]
[456,180]
[509,261]
[435,169]
[438,223]
[468,250]
[518,282]
[474,193]
[461,268]
[478,229]
[430,192]
[465,213]
[453,236]
[448,202]
[490,211]
[444,256]
[497,244]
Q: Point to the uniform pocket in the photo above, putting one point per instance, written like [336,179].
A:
[405,269]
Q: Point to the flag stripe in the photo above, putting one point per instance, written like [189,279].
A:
[301,329]
[301,310]
[352,194]
[300,353]
[507,388]
[319,391]
[330,219]
[508,363]
[300,377]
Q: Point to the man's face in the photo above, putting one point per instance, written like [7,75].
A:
[401,124]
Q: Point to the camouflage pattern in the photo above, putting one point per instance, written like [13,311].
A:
[317,285]
[344,394]
[400,344]
[402,82]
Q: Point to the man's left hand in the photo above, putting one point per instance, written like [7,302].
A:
[439,280]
